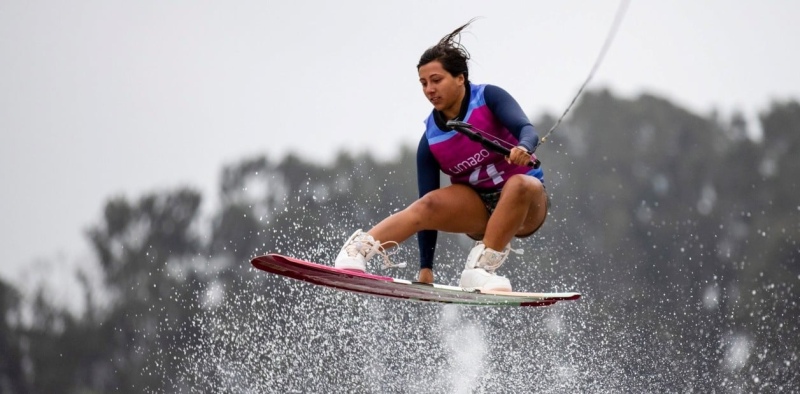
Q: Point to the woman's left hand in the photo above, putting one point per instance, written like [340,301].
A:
[519,156]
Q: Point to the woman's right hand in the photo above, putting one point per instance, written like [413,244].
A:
[425,275]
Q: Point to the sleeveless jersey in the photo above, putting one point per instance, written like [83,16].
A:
[468,162]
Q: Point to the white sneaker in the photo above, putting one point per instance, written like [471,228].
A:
[358,249]
[479,271]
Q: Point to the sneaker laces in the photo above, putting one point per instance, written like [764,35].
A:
[364,244]
[387,263]
[490,260]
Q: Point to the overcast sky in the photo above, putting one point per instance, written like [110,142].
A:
[105,98]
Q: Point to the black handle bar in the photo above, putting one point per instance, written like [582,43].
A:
[468,130]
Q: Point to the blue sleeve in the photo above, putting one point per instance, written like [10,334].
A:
[510,114]
[427,181]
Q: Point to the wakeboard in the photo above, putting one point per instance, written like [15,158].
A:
[384,286]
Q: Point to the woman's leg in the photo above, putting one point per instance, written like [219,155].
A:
[521,211]
[454,209]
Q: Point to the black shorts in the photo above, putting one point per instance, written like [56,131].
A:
[490,200]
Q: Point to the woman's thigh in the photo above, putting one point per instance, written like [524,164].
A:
[454,208]
[537,213]
[532,192]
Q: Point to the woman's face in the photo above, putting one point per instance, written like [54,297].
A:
[442,89]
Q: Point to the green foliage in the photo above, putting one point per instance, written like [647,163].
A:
[12,375]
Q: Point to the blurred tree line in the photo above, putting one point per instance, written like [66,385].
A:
[657,212]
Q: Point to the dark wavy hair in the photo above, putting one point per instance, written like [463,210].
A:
[450,53]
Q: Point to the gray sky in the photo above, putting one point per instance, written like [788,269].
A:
[101,98]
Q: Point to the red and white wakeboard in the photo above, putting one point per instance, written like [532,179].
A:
[384,286]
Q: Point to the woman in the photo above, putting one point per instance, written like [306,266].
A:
[491,198]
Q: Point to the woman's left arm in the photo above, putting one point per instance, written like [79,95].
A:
[510,114]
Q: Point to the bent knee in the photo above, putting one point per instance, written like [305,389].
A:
[427,205]
[524,185]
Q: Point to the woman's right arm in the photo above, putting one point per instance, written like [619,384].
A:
[427,181]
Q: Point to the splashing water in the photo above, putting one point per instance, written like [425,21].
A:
[466,349]
[264,333]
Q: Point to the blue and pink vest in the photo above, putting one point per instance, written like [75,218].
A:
[468,162]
